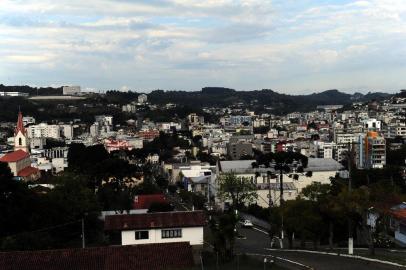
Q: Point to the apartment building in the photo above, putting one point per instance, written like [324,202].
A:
[371,151]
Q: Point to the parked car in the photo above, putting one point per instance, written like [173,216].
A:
[247,223]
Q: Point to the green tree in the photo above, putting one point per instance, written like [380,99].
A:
[47,220]
[302,218]
[239,191]
[17,203]
[223,228]
[326,203]
[70,201]
[115,196]
[162,182]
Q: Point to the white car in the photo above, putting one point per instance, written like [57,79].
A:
[247,223]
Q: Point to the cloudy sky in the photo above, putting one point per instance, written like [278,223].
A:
[292,46]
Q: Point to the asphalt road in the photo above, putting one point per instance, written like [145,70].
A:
[256,242]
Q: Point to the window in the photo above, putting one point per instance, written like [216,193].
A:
[172,233]
[139,235]
[20,142]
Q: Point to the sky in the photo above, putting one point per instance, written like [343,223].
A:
[290,46]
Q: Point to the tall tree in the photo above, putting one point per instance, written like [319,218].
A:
[16,203]
[326,203]
[302,218]
[239,191]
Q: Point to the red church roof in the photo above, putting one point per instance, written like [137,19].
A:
[14,156]
[20,125]
[27,171]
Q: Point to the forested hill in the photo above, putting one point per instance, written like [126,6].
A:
[210,96]
[220,96]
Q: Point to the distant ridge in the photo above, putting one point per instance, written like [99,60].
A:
[281,103]
[222,96]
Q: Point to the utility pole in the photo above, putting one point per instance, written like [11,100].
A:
[281,186]
[269,193]
[350,162]
[208,192]
[281,202]
[83,233]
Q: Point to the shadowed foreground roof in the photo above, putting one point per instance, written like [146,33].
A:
[139,257]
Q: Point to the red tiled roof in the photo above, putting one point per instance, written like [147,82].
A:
[155,220]
[145,201]
[138,257]
[14,156]
[27,171]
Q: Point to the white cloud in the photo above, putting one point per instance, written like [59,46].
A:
[190,44]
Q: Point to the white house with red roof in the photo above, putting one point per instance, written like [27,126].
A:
[151,228]
[19,160]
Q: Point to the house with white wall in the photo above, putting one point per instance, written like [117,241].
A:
[398,223]
[149,228]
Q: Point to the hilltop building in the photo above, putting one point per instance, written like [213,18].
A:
[142,98]
[70,90]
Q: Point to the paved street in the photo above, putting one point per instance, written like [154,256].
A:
[257,241]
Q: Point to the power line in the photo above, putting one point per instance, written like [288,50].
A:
[45,229]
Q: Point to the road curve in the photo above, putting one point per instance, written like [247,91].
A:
[257,242]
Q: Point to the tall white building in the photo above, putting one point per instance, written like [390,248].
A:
[44,130]
[66,131]
[371,151]
[325,149]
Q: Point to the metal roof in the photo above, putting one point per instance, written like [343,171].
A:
[232,165]
[323,164]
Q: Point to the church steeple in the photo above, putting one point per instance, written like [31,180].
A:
[20,135]
[20,124]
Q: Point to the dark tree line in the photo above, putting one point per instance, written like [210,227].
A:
[34,219]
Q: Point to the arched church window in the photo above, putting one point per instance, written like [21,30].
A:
[20,142]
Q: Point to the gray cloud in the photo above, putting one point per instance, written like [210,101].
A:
[187,44]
